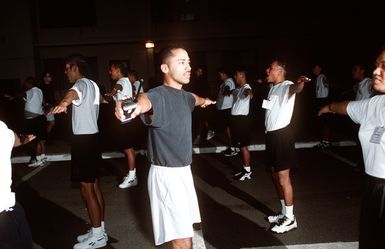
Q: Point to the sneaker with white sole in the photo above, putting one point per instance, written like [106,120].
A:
[35,163]
[284,225]
[272,219]
[92,242]
[210,134]
[129,181]
[243,175]
[85,236]
[229,152]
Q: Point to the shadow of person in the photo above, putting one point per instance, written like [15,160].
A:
[52,226]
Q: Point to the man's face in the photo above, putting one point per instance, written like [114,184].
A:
[273,72]
[71,73]
[47,78]
[239,77]
[379,74]
[177,68]
[115,73]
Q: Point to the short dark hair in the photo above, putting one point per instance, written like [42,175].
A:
[79,61]
[133,73]
[31,80]
[122,65]
[166,52]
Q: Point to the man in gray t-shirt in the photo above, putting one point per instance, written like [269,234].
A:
[174,204]
[85,154]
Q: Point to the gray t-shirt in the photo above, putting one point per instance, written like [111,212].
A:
[85,110]
[169,137]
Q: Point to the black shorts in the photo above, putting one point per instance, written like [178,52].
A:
[223,119]
[372,221]
[14,229]
[280,149]
[37,126]
[240,130]
[86,158]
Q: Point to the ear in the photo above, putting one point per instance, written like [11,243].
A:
[164,68]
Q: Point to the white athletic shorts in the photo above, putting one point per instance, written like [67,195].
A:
[174,203]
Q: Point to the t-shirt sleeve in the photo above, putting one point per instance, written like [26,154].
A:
[79,87]
[158,111]
[191,100]
[357,110]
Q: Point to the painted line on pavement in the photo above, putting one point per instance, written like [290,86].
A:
[336,245]
[196,150]
[31,174]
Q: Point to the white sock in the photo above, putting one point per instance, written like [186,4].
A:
[247,168]
[132,173]
[283,207]
[39,157]
[289,212]
[102,225]
[97,231]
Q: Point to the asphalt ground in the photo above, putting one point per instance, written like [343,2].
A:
[326,186]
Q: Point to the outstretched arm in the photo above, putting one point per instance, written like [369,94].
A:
[335,107]
[143,105]
[66,101]
[202,102]
[22,139]
[297,87]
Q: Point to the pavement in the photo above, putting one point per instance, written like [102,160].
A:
[327,198]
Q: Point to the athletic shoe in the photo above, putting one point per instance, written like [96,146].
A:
[128,182]
[272,219]
[36,163]
[92,242]
[210,134]
[85,236]
[241,176]
[284,225]
[229,152]
[323,145]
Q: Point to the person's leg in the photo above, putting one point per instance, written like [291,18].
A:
[286,187]
[288,221]
[100,199]
[245,156]
[130,179]
[130,154]
[91,200]
[185,243]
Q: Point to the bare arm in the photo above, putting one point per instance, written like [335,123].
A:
[143,105]
[114,90]
[202,102]
[22,139]
[335,107]
[66,101]
[297,87]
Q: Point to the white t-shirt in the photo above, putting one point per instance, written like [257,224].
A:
[370,114]
[364,89]
[241,104]
[321,87]
[279,108]
[7,197]
[85,110]
[33,103]
[223,101]
[136,85]
[126,89]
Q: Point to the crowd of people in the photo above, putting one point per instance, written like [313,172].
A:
[168,112]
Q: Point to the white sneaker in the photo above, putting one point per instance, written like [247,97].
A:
[36,163]
[92,242]
[210,134]
[128,182]
[285,225]
[244,175]
[85,236]
[274,218]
